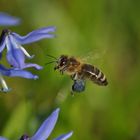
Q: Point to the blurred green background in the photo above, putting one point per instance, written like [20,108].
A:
[107,32]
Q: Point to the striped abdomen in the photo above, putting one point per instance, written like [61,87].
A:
[94,74]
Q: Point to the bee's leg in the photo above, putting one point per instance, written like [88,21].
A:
[63,70]
[74,76]
[72,93]
[78,86]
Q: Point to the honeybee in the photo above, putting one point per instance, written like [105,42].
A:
[79,72]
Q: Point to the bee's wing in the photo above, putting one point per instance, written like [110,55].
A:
[94,55]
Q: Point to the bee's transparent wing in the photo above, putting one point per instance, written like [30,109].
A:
[94,55]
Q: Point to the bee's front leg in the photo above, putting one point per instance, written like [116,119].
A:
[63,70]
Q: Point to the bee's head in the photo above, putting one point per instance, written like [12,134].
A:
[61,62]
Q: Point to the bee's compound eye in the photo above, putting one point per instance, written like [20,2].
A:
[63,60]
[78,86]
[62,63]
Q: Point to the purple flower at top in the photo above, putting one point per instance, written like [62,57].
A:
[45,129]
[11,72]
[15,52]
[7,20]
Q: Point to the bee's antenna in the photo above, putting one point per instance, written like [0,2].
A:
[50,62]
[51,56]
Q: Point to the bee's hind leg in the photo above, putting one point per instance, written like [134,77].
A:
[78,86]
[74,77]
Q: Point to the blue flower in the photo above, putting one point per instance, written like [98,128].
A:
[7,20]
[11,72]
[2,138]
[46,128]
[15,52]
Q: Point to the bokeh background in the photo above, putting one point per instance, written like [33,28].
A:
[105,33]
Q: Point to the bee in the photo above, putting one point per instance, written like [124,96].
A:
[79,72]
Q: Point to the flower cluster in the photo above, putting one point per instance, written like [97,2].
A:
[16,54]
[45,129]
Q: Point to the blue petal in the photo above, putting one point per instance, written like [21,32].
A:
[46,128]
[64,136]
[16,57]
[2,138]
[35,35]
[17,73]
[7,20]
[22,73]
[43,30]
[36,66]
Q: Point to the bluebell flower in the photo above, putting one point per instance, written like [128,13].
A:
[7,20]
[46,128]
[15,52]
[11,72]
